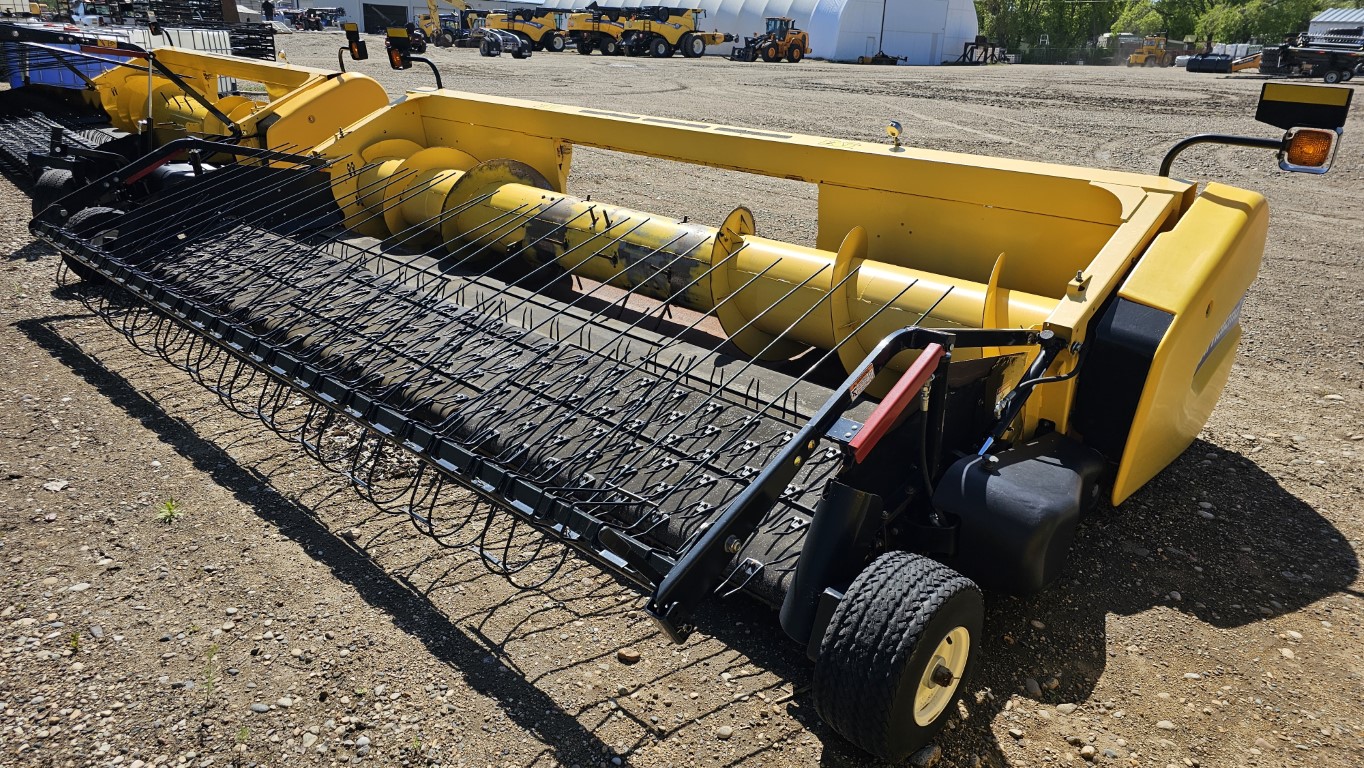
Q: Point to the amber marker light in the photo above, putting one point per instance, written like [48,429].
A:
[1308,150]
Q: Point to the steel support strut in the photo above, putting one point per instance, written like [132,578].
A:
[701,567]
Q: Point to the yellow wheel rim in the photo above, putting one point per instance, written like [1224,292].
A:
[935,690]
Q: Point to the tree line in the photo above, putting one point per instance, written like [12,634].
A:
[1076,23]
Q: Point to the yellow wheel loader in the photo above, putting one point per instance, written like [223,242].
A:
[863,431]
[780,41]
[660,32]
[537,28]
[1155,51]
[598,29]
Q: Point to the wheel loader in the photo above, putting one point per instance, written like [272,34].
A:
[444,30]
[1155,51]
[660,32]
[537,28]
[598,29]
[861,432]
[780,41]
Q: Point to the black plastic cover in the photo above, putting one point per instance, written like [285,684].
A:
[1017,515]
[1122,344]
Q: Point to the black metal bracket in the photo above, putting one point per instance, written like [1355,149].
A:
[1013,402]
[1215,138]
[699,569]
[193,94]
[60,56]
[75,158]
[153,64]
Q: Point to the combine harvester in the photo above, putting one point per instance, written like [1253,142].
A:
[862,432]
[538,29]
[660,31]
[598,29]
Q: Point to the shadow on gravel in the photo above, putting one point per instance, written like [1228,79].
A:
[1255,553]
[527,705]
[34,250]
[748,639]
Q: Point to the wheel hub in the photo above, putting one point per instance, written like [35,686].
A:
[941,676]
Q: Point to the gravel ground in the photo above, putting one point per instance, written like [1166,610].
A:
[1214,620]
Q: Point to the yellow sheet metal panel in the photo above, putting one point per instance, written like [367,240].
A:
[1306,94]
[934,233]
[1072,315]
[1198,272]
[311,114]
[1053,190]
[287,76]
[548,156]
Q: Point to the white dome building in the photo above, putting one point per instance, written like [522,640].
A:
[923,31]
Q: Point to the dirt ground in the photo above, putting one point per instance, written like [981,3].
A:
[1213,620]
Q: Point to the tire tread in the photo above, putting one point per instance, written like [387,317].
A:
[869,641]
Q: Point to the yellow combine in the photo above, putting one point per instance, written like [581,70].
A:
[538,29]
[660,31]
[862,432]
[598,29]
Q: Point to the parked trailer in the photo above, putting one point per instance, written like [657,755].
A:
[861,432]
[1333,62]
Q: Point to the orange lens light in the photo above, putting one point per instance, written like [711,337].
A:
[1309,148]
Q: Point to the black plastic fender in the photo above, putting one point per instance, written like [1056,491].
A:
[1017,510]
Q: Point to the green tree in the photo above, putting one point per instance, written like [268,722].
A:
[1139,17]
[1222,20]
[1066,23]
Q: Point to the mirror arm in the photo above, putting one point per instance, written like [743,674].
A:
[1215,138]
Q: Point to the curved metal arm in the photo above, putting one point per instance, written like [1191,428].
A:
[1215,138]
[432,65]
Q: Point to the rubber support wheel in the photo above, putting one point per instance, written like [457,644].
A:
[554,44]
[1331,78]
[898,653]
[659,48]
[88,223]
[52,185]
[795,53]
[1346,75]
[692,47]
[610,47]
[771,53]
[585,48]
